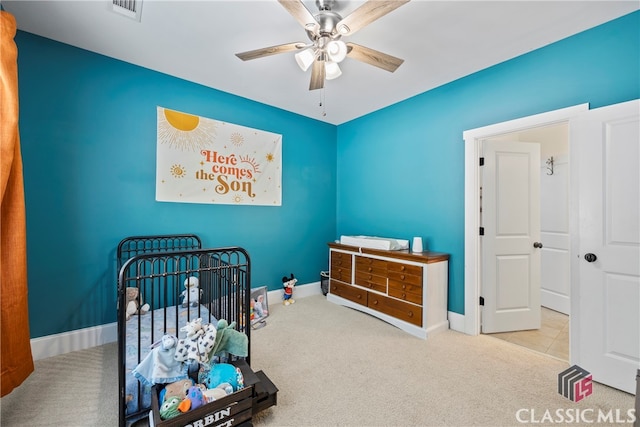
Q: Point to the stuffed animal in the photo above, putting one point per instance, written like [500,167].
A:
[191,294]
[169,409]
[229,340]
[176,389]
[133,303]
[224,373]
[288,283]
[195,399]
[198,343]
[159,365]
[219,392]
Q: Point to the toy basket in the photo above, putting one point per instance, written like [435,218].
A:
[236,409]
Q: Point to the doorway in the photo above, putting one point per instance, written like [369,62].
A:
[473,141]
[553,335]
[605,240]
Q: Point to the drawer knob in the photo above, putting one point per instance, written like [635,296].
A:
[411,314]
[404,287]
[402,276]
[375,302]
[402,268]
[404,295]
[359,296]
[370,269]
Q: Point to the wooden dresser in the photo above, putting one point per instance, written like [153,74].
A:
[405,289]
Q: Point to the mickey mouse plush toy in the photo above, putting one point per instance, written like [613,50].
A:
[287,284]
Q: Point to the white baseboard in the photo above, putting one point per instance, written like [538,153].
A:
[456,321]
[81,339]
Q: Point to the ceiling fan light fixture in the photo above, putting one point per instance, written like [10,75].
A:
[305,58]
[332,70]
[337,50]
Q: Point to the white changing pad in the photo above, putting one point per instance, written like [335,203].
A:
[373,242]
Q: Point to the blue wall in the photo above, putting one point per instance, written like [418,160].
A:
[88,135]
[401,169]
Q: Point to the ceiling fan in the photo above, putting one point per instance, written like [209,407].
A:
[325,30]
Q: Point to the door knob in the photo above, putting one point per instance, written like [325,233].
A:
[537,245]
[590,257]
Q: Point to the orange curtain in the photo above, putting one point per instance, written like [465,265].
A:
[15,345]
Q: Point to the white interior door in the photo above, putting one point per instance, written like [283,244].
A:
[511,222]
[605,294]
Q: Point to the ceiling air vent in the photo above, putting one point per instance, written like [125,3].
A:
[129,8]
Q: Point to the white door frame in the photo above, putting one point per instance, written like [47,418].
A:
[473,139]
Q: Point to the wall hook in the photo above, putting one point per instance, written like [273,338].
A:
[550,166]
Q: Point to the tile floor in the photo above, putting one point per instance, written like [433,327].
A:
[552,338]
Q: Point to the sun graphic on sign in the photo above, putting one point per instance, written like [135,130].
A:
[237,139]
[185,131]
[269,157]
[237,198]
[251,161]
[178,171]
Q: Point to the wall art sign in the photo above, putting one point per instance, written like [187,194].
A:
[201,160]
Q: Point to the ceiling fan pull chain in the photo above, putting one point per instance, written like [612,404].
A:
[322,102]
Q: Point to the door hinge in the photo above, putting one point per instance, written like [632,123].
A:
[481,161]
[481,300]
[482,231]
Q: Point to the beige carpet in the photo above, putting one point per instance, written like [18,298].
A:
[338,367]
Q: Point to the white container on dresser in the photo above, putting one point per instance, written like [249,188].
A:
[405,289]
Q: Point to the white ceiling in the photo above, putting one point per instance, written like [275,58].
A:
[440,41]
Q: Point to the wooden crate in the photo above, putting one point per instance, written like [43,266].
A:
[236,409]
[232,410]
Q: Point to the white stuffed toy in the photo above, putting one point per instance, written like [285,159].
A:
[198,343]
[192,292]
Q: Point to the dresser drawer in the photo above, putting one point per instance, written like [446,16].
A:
[402,277]
[377,283]
[348,292]
[342,274]
[405,291]
[399,309]
[340,259]
[340,266]
[396,267]
[371,266]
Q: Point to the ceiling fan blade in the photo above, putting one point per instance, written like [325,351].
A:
[317,75]
[267,51]
[373,57]
[299,11]
[366,14]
